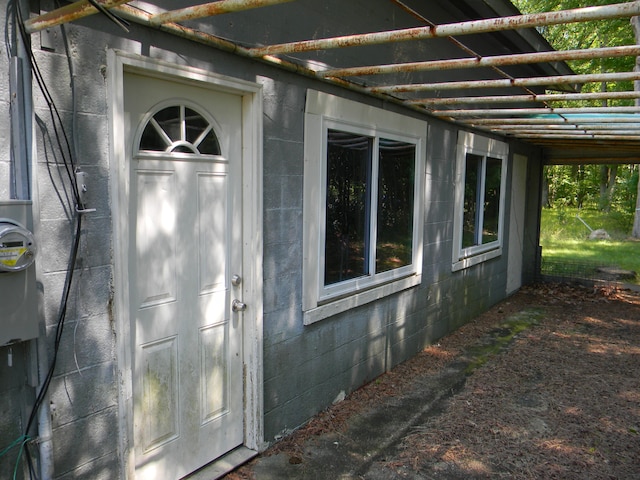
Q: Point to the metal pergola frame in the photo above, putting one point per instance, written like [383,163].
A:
[590,134]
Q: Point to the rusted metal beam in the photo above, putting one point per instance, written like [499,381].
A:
[581,137]
[499,112]
[568,126]
[502,83]
[550,121]
[210,9]
[66,14]
[564,97]
[546,131]
[622,10]
[494,61]
[136,15]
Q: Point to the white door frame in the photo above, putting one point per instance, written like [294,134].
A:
[251,93]
[516,222]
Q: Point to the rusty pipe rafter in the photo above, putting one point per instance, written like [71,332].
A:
[68,13]
[549,121]
[603,133]
[577,134]
[628,95]
[454,40]
[501,83]
[568,126]
[136,15]
[210,9]
[492,61]
[498,112]
[581,137]
[567,131]
[621,10]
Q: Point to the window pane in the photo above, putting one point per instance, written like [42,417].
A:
[169,120]
[196,125]
[471,218]
[210,144]
[152,140]
[347,228]
[396,177]
[491,200]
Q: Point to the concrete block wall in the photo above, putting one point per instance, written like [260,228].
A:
[83,392]
[16,397]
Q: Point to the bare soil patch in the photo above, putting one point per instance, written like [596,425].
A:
[562,401]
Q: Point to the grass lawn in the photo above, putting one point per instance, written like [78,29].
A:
[564,238]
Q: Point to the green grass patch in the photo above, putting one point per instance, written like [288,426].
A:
[564,238]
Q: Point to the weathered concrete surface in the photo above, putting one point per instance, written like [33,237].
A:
[372,436]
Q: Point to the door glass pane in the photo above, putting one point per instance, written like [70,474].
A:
[209,145]
[152,140]
[471,218]
[396,177]
[166,130]
[347,207]
[196,126]
[491,200]
[169,120]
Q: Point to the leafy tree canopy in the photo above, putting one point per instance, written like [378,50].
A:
[583,35]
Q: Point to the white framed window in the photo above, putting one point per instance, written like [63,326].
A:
[481,172]
[363,204]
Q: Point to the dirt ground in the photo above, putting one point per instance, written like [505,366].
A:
[561,401]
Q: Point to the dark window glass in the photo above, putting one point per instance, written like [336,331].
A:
[471,216]
[195,125]
[491,214]
[396,177]
[183,149]
[210,145]
[348,206]
[152,140]
[169,120]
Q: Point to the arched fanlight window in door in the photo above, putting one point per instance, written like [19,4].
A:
[179,129]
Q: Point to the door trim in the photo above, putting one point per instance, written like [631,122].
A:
[517,206]
[251,94]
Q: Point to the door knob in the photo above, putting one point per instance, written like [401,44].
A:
[238,306]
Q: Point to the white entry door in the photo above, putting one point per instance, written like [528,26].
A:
[185,241]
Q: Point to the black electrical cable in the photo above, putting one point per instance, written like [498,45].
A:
[59,329]
[122,23]
[66,153]
[56,118]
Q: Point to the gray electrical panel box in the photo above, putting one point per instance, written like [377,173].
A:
[18,295]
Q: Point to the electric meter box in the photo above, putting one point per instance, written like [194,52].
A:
[18,294]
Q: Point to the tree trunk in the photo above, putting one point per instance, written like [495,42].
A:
[635,23]
[608,174]
[545,192]
[636,219]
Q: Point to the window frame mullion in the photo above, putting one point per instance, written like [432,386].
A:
[374,169]
[482,171]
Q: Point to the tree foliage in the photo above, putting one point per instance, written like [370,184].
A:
[584,35]
[580,186]
[604,187]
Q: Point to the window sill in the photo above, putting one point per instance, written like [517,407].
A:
[476,259]
[335,307]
